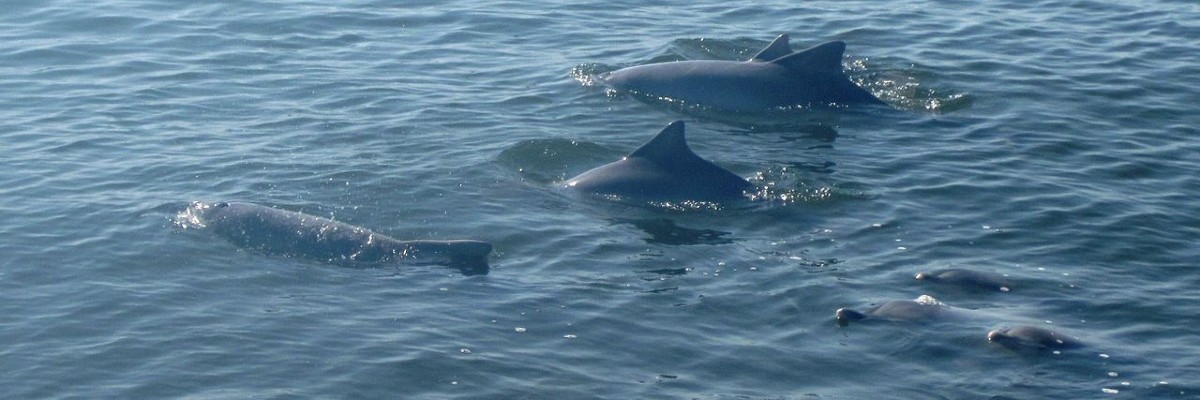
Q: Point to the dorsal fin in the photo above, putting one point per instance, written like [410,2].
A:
[668,145]
[778,48]
[824,58]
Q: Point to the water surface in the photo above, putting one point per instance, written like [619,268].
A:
[1051,141]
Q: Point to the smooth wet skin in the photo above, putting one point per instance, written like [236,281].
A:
[967,279]
[1032,338]
[924,308]
[290,233]
[774,78]
[663,169]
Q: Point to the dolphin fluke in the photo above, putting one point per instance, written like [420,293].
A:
[469,256]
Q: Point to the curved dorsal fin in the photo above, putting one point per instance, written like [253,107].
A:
[778,48]
[825,57]
[668,145]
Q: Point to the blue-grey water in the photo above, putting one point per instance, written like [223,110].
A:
[1052,141]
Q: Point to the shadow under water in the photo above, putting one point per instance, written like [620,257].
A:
[666,231]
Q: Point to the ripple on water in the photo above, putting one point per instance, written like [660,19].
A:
[1051,142]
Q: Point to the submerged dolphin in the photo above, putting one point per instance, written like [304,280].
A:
[1032,338]
[292,233]
[663,169]
[967,279]
[924,309]
[775,77]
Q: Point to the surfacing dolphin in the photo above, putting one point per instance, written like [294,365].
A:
[663,169]
[967,279]
[1032,338]
[924,309]
[291,233]
[776,77]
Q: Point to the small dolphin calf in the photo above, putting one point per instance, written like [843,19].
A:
[1032,338]
[291,233]
[967,279]
[776,77]
[924,309]
[663,169]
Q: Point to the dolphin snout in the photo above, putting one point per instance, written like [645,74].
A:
[845,315]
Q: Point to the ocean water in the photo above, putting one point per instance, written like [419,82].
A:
[1051,141]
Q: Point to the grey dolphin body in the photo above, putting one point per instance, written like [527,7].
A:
[923,309]
[292,233]
[1032,338]
[663,169]
[776,77]
[967,279]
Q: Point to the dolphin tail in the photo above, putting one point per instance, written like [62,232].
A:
[469,256]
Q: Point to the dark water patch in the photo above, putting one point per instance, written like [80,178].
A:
[667,232]
[554,160]
[822,132]
[1049,141]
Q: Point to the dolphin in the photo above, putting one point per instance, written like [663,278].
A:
[663,169]
[776,77]
[924,309]
[967,279]
[291,233]
[1032,338]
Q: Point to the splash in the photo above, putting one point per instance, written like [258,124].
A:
[192,216]
[913,89]
[928,300]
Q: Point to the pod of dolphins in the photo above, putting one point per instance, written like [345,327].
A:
[662,169]
[926,309]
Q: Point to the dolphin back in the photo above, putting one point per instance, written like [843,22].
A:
[663,169]
[775,77]
[295,234]
[292,234]
[825,58]
[820,67]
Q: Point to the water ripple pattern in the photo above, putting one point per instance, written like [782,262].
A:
[1054,142]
